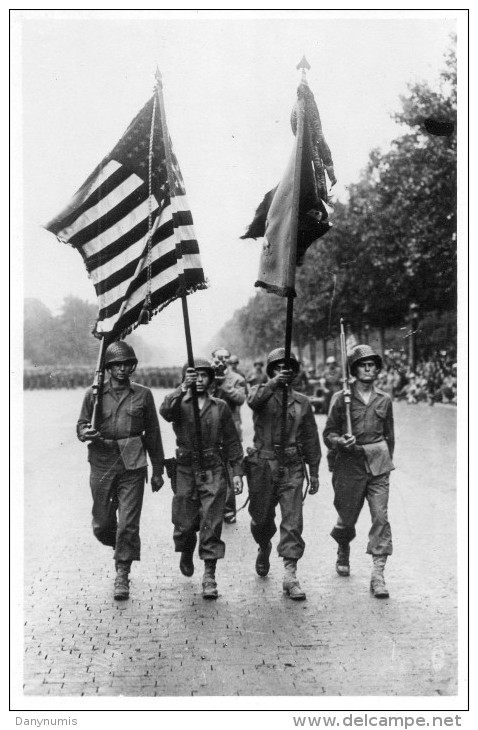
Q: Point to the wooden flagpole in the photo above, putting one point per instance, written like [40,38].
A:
[292,258]
[187,328]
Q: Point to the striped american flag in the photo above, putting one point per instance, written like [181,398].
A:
[112,216]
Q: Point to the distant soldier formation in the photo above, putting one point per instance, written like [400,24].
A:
[80,376]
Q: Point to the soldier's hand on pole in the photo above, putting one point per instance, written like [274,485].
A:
[90,434]
[314,485]
[237,482]
[190,378]
[284,377]
[346,442]
[157,482]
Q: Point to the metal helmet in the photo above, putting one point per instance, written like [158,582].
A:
[331,360]
[120,352]
[277,355]
[362,352]
[200,363]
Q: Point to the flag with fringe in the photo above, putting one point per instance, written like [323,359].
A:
[132,225]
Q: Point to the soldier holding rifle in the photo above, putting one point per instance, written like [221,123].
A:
[119,432]
[359,432]
[199,479]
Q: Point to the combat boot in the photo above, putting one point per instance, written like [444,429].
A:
[262,561]
[186,565]
[377,582]
[209,585]
[121,590]
[290,584]
[342,566]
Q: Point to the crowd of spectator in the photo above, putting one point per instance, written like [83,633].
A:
[433,380]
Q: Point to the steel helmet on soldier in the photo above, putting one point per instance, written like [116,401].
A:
[331,360]
[363,352]
[276,356]
[200,363]
[120,352]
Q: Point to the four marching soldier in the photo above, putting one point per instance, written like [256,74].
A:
[359,434]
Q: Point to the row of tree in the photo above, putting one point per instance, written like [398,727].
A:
[65,338]
[393,242]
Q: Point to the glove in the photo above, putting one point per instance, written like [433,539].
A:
[157,482]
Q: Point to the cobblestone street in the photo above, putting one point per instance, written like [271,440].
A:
[167,641]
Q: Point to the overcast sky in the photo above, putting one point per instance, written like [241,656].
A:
[230,82]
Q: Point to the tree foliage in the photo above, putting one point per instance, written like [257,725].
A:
[64,339]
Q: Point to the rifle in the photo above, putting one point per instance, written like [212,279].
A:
[97,386]
[345,379]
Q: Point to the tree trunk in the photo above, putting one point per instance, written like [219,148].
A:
[381,340]
[299,347]
[313,354]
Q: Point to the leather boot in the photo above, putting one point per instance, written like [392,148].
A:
[186,565]
[342,566]
[121,589]
[290,584]
[377,582]
[262,561]
[209,585]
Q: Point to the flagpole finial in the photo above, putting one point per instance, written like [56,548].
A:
[304,65]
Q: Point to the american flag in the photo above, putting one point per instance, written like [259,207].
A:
[127,201]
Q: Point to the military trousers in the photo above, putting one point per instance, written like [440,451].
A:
[117,504]
[353,484]
[269,486]
[198,507]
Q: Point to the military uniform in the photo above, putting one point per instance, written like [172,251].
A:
[198,505]
[232,390]
[268,484]
[364,475]
[129,428]
[361,463]
[277,478]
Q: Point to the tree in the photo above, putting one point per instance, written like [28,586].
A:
[75,343]
[39,333]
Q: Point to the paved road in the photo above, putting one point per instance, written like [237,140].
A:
[167,641]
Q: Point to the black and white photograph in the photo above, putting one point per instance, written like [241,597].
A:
[239,260]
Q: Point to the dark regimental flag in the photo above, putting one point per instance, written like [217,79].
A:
[274,217]
[131,223]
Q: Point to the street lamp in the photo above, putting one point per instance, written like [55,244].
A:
[413,315]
